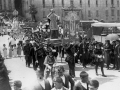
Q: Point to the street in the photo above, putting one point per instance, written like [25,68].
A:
[19,71]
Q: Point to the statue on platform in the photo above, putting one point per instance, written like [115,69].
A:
[33,12]
[53,20]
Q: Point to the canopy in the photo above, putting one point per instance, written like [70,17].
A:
[112,37]
[100,24]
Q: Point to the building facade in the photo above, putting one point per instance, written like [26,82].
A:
[108,10]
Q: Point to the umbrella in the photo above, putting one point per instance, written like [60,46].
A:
[112,37]
[100,24]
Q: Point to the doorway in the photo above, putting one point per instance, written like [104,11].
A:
[18,6]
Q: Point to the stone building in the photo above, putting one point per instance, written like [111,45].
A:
[108,10]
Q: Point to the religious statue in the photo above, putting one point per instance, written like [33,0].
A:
[33,12]
[53,20]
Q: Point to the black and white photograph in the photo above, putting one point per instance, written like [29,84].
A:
[59,44]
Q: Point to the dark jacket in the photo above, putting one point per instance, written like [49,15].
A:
[68,79]
[26,49]
[39,87]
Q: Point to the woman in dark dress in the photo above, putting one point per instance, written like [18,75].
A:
[99,59]
[107,49]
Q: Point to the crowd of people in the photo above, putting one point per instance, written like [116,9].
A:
[13,50]
[44,57]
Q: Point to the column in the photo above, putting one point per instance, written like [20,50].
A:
[0,5]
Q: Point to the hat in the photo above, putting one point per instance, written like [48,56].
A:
[58,79]
[83,74]
[18,83]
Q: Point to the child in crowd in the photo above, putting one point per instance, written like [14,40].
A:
[19,49]
[10,51]
[17,85]
[15,51]
[4,51]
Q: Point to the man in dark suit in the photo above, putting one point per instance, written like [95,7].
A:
[33,54]
[65,77]
[83,84]
[26,51]
[117,54]
[41,83]
[40,56]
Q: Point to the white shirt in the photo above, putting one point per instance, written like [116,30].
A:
[83,84]
[63,78]
[42,83]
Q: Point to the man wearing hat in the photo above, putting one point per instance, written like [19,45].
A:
[58,84]
[65,77]
[83,83]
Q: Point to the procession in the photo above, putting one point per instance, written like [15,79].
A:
[58,52]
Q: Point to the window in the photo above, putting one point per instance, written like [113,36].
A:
[106,3]
[80,3]
[62,3]
[118,3]
[112,2]
[0,5]
[43,14]
[53,3]
[89,13]
[43,3]
[88,3]
[112,12]
[96,3]
[10,7]
[97,13]
[4,4]
[106,13]
[118,13]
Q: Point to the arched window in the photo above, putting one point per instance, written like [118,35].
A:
[53,3]
[80,3]
[43,3]
[112,2]
[96,3]
[62,3]
[88,3]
